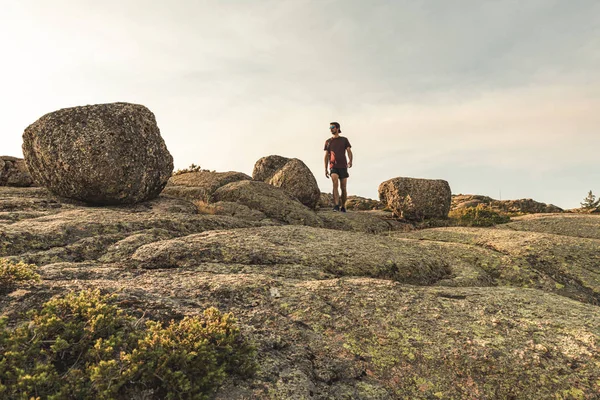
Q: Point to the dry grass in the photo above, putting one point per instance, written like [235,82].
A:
[206,208]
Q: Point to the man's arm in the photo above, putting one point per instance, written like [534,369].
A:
[349,150]
[326,162]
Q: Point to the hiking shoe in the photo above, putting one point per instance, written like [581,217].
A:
[343,209]
[336,208]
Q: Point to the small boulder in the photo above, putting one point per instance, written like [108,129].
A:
[325,200]
[291,175]
[100,154]
[200,185]
[358,203]
[266,167]
[416,199]
[271,201]
[14,172]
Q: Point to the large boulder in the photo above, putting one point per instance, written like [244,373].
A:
[271,201]
[200,185]
[13,172]
[291,175]
[100,154]
[416,199]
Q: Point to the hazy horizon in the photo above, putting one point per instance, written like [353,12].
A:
[497,98]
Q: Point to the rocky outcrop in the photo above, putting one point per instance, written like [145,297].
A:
[525,206]
[200,185]
[291,175]
[354,203]
[238,210]
[266,167]
[505,312]
[14,172]
[325,200]
[416,199]
[366,221]
[520,206]
[358,203]
[274,202]
[101,154]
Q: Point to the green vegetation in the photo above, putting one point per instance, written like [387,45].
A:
[192,168]
[482,215]
[12,273]
[590,203]
[84,346]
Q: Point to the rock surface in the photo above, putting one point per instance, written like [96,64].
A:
[291,175]
[14,172]
[515,207]
[200,185]
[416,199]
[369,222]
[355,203]
[485,313]
[100,154]
[274,202]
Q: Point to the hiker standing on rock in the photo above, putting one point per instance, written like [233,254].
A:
[335,155]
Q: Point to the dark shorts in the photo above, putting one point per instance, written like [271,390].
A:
[342,173]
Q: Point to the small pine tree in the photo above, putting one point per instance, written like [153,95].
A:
[590,202]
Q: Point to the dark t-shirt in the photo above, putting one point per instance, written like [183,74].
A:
[337,151]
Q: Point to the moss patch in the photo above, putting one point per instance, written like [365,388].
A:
[481,215]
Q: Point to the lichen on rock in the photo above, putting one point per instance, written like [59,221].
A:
[291,175]
[416,199]
[343,309]
[100,154]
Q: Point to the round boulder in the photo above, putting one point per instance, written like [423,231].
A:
[291,175]
[416,199]
[266,167]
[100,154]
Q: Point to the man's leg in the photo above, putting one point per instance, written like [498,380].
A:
[344,192]
[336,193]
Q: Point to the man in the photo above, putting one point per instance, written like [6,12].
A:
[335,155]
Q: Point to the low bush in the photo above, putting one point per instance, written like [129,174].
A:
[191,168]
[83,346]
[12,273]
[481,215]
[204,207]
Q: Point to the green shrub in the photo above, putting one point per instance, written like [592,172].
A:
[590,203]
[83,346]
[12,273]
[192,168]
[482,215]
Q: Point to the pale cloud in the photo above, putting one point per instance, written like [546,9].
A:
[481,93]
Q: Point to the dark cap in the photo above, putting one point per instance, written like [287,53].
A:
[336,125]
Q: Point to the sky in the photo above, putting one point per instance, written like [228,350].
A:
[499,98]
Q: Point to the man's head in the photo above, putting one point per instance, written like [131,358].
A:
[334,127]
